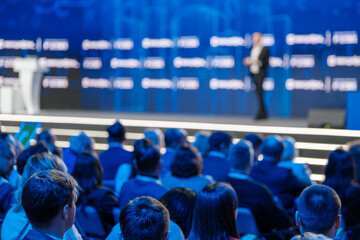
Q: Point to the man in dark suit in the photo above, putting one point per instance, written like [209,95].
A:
[251,194]
[281,181]
[258,63]
[48,199]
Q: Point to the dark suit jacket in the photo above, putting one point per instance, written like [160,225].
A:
[264,58]
[7,198]
[35,235]
[111,160]
[137,188]
[216,167]
[257,198]
[281,181]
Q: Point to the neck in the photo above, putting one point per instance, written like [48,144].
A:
[245,172]
[153,175]
[54,231]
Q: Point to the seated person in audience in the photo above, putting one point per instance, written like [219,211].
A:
[186,169]
[78,145]
[256,139]
[21,160]
[7,157]
[174,139]
[281,181]
[88,174]
[116,155]
[49,139]
[318,215]
[144,218]
[146,183]
[251,194]
[180,203]
[16,225]
[156,136]
[215,213]
[215,163]
[202,142]
[339,175]
[300,170]
[48,199]
[354,150]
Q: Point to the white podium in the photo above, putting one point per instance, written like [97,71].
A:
[30,76]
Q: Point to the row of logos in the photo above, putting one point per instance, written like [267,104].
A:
[193,83]
[328,39]
[223,62]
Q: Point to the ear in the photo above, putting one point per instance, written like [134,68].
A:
[338,222]
[297,219]
[65,212]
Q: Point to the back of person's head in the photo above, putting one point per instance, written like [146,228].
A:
[255,139]
[354,150]
[187,162]
[116,132]
[220,142]
[47,194]
[180,203]
[174,138]
[144,218]
[88,172]
[146,157]
[156,136]
[290,152]
[241,156]
[318,210]
[202,142]
[7,156]
[214,213]
[81,143]
[28,152]
[272,148]
[49,139]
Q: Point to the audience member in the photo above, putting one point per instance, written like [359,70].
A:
[354,149]
[146,183]
[180,203]
[27,153]
[156,136]
[48,199]
[252,194]
[281,181]
[202,142]
[319,213]
[88,173]
[215,214]
[186,169]
[16,225]
[215,163]
[116,155]
[256,139]
[78,144]
[300,170]
[174,139]
[49,139]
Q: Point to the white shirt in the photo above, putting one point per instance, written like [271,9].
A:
[254,56]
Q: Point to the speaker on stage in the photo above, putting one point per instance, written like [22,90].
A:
[327,118]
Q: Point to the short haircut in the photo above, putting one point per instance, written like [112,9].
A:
[21,160]
[255,139]
[187,162]
[146,156]
[217,139]
[144,218]
[290,152]
[240,155]
[272,146]
[81,143]
[319,206]
[173,138]
[45,194]
[116,132]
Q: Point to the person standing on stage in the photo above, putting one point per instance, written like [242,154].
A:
[258,63]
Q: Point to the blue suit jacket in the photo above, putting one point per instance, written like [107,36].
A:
[111,160]
[35,235]
[216,166]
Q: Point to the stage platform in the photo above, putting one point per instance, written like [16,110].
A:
[314,144]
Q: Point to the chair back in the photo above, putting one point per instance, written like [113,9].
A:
[90,221]
[246,222]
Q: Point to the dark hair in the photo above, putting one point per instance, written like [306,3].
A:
[28,152]
[273,146]
[49,139]
[240,155]
[180,202]
[214,213]
[116,132]
[219,139]
[7,152]
[319,206]
[45,194]
[88,172]
[187,162]
[339,171]
[173,138]
[255,139]
[146,157]
[355,153]
[144,218]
